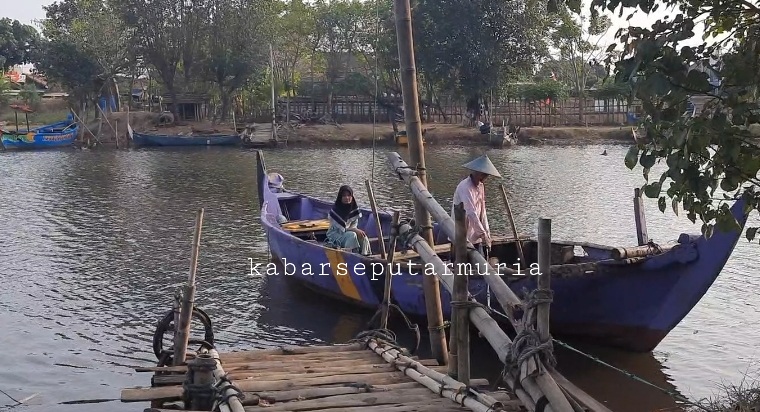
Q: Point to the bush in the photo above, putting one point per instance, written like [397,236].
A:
[547,89]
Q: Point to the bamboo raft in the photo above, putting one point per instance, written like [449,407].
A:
[373,375]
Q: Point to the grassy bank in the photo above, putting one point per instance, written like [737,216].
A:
[744,397]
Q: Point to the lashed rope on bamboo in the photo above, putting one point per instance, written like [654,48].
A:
[528,343]
[221,387]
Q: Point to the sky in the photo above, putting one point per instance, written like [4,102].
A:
[26,11]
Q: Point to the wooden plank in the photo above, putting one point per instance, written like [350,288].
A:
[337,355]
[317,372]
[160,369]
[307,364]
[166,393]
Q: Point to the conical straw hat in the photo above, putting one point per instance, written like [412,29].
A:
[482,164]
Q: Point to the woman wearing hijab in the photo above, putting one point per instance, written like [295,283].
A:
[344,218]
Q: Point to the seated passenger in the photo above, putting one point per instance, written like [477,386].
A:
[344,218]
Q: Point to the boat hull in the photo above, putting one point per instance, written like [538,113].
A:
[151,140]
[56,135]
[631,305]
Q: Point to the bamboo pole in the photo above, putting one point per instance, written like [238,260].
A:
[405,43]
[461,317]
[233,403]
[389,274]
[373,205]
[505,198]
[493,333]
[188,297]
[424,375]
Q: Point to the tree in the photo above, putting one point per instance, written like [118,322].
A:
[470,46]
[17,42]
[576,40]
[169,36]
[295,30]
[713,155]
[235,50]
[86,46]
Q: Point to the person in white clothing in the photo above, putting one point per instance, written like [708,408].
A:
[471,193]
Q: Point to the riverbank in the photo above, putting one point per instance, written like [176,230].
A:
[349,134]
[356,134]
[441,134]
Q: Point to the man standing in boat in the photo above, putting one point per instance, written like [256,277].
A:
[471,192]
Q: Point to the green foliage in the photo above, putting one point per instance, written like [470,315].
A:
[30,96]
[86,45]
[540,91]
[611,90]
[17,42]
[712,156]
[470,46]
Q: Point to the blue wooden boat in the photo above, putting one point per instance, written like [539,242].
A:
[144,139]
[59,134]
[630,303]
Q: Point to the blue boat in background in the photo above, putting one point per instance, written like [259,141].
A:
[60,134]
[629,300]
[144,139]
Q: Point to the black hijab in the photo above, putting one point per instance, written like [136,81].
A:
[342,212]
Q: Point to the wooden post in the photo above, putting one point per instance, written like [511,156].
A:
[373,204]
[638,213]
[544,277]
[405,44]
[389,271]
[188,297]
[512,222]
[462,315]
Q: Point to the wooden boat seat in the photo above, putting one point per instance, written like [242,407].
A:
[299,226]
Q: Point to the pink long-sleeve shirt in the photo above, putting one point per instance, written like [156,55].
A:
[474,200]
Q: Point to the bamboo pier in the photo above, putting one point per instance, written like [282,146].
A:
[368,375]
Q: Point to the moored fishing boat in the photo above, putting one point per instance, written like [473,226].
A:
[145,139]
[59,134]
[625,297]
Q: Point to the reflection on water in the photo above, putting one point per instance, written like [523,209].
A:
[95,243]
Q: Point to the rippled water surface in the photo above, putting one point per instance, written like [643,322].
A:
[95,243]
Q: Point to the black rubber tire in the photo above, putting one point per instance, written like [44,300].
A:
[167,324]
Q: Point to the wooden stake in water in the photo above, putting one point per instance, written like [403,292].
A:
[373,205]
[389,270]
[512,224]
[188,297]
[544,277]
[461,295]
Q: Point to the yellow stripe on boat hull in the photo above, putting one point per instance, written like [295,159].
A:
[341,274]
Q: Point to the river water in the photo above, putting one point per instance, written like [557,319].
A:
[96,242]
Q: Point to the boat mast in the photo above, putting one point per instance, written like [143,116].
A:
[431,286]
